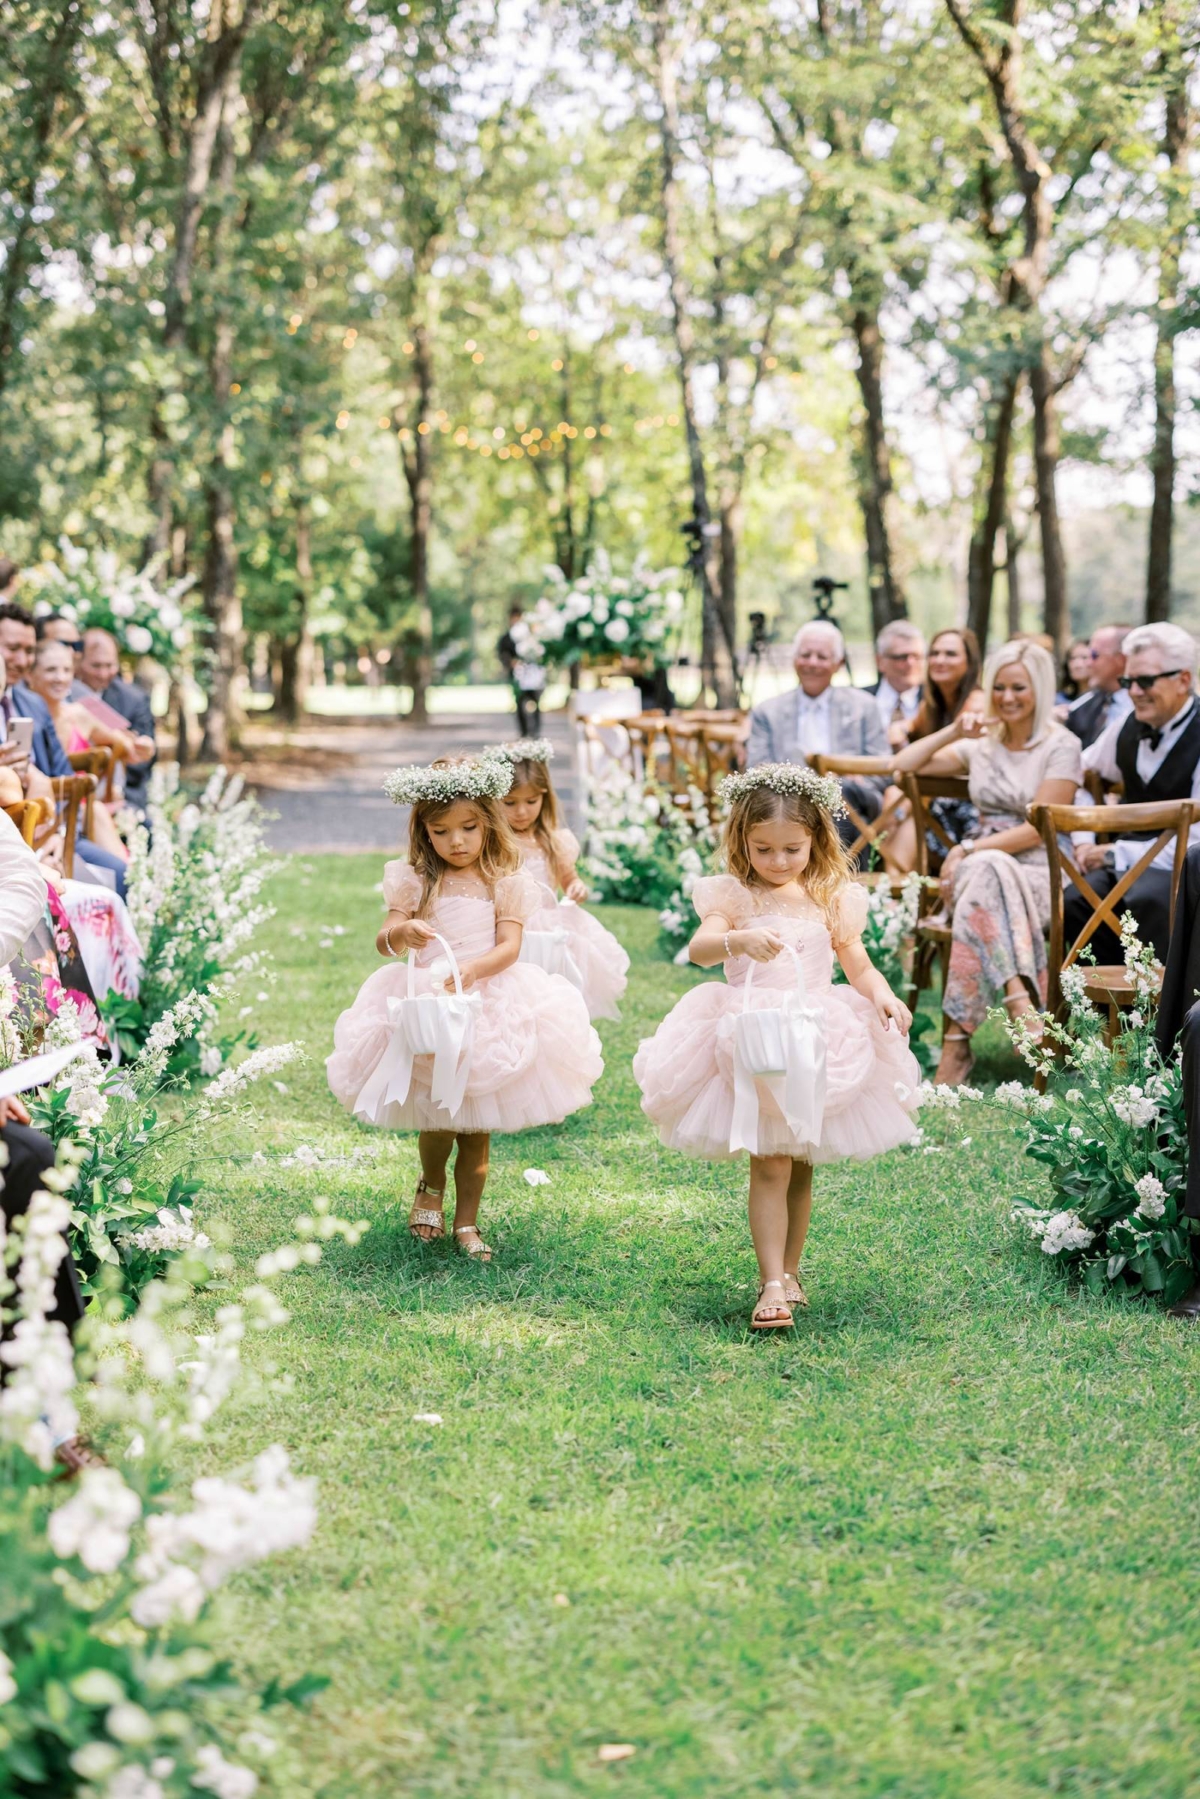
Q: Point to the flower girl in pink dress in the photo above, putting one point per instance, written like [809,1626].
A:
[528,1054]
[550,852]
[789,889]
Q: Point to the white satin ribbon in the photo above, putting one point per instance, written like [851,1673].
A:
[438,1024]
[783,1048]
[551,950]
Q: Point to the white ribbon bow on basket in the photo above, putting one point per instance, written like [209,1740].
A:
[437,1024]
[782,1046]
[551,950]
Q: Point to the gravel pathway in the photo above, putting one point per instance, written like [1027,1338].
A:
[323,780]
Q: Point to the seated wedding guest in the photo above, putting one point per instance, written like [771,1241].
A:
[98,671]
[951,687]
[1075,673]
[18,642]
[819,719]
[997,884]
[51,678]
[900,659]
[1155,751]
[1106,700]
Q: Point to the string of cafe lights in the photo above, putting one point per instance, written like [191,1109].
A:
[532,441]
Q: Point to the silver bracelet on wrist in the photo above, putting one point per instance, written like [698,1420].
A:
[728,951]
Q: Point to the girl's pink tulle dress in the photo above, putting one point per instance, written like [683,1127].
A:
[598,956]
[535,1056]
[685,1071]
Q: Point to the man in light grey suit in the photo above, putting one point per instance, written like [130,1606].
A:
[819,719]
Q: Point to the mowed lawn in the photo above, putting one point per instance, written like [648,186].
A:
[939,1541]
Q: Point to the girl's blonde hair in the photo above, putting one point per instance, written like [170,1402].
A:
[828,869]
[1039,666]
[537,774]
[498,857]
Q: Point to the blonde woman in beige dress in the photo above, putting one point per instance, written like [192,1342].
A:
[997,885]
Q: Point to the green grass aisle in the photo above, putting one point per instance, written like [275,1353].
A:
[936,1543]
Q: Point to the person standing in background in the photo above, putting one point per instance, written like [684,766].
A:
[528,678]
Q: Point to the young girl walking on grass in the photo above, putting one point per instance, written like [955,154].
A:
[526,1053]
[550,853]
[787,905]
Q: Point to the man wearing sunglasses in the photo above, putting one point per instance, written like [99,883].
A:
[1155,752]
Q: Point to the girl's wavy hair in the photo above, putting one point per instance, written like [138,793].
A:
[828,869]
[499,856]
[537,775]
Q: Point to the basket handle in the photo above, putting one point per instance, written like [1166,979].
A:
[801,983]
[450,957]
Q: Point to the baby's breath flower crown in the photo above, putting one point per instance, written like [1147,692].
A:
[487,779]
[790,780]
[525,749]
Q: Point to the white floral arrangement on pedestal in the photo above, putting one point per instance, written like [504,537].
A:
[94,588]
[602,615]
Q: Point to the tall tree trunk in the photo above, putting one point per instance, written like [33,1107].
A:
[296,651]
[876,493]
[1177,135]
[717,604]
[990,508]
[418,472]
[1046,453]
[1012,576]
[222,605]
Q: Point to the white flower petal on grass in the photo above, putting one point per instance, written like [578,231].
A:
[537,1177]
[427,1418]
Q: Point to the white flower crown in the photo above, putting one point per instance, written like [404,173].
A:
[792,779]
[487,779]
[525,749]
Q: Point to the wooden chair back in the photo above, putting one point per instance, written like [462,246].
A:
[1170,822]
[872,833]
[72,793]
[723,744]
[920,791]
[99,762]
[686,765]
[27,816]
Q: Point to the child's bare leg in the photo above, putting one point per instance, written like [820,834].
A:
[769,1177]
[799,1211]
[470,1173]
[434,1148]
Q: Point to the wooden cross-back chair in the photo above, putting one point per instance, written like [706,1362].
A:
[871,833]
[686,763]
[723,745]
[1168,821]
[27,816]
[933,932]
[73,793]
[99,762]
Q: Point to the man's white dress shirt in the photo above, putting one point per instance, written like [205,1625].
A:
[887,699]
[813,725]
[1102,756]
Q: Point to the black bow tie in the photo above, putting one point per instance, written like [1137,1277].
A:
[1151,734]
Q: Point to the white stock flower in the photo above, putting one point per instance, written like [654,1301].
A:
[228,1780]
[95,1522]
[133,1782]
[176,1593]
[1064,1232]
[234,1079]
[1152,1196]
[211,1060]
[173,1233]
[1133,1106]
[8,1686]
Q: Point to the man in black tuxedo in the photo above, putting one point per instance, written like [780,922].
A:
[1106,700]
[1179,1022]
[1155,752]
